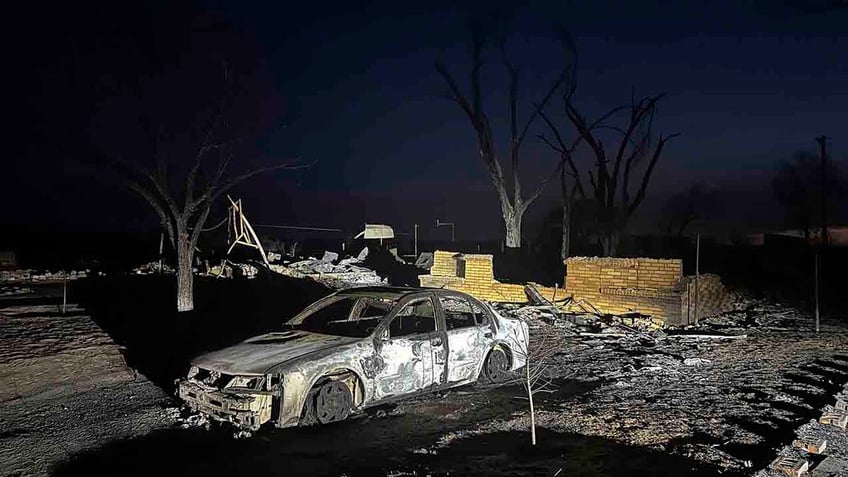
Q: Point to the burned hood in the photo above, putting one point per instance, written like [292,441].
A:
[258,354]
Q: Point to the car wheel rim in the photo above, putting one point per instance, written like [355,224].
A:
[496,366]
[332,402]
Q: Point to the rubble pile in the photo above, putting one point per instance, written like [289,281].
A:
[720,392]
[30,275]
[153,267]
[14,290]
[332,272]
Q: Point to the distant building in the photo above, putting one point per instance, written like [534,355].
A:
[837,235]
[7,259]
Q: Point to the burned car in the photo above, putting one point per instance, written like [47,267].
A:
[354,349]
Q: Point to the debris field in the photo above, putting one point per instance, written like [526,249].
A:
[726,397]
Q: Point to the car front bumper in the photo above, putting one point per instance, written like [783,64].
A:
[244,410]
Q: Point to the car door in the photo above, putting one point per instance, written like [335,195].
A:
[406,350]
[466,340]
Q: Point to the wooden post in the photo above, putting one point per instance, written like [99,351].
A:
[816,284]
[161,244]
[64,291]
[697,272]
[530,397]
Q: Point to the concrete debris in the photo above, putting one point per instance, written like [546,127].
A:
[14,290]
[347,272]
[696,361]
[31,275]
[791,466]
[815,438]
[813,445]
[835,418]
[424,261]
[151,268]
[363,254]
[194,421]
[727,380]
[245,270]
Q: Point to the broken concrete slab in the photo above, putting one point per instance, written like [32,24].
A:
[835,418]
[791,466]
[813,445]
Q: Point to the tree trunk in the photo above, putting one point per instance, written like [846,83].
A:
[530,397]
[185,278]
[609,241]
[512,222]
[565,251]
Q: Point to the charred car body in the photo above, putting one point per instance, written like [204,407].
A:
[353,349]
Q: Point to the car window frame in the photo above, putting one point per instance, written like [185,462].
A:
[463,298]
[383,332]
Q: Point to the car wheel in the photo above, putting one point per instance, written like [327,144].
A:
[333,402]
[496,367]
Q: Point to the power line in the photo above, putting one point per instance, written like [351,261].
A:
[320,229]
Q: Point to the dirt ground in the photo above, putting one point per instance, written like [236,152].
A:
[632,404]
[65,386]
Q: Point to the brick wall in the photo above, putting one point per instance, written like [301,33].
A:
[472,274]
[712,297]
[622,285]
[612,285]
[444,264]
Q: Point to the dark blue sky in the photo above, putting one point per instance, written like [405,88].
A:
[354,90]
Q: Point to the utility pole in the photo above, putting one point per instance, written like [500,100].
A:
[816,284]
[822,140]
[416,240]
[697,272]
[446,224]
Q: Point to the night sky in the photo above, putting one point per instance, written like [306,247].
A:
[353,89]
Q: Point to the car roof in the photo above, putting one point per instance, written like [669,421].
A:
[394,292]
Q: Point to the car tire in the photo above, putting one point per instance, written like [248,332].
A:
[496,366]
[326,403]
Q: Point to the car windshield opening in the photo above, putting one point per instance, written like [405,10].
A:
[353,316]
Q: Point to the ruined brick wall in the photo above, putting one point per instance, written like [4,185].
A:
[712,297]
[473,274]
[444,264]
[622,285]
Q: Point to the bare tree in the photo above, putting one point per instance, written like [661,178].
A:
[183,215]
[543,343]
[798,186]
[512,206]
[696,202]
[633,158]
[183,205]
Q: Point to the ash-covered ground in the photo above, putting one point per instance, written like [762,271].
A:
[623,401]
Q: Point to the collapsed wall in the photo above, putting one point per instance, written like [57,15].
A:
[654,287]
[474,274]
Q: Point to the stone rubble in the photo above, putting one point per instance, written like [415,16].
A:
[332,272]
[719,392]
